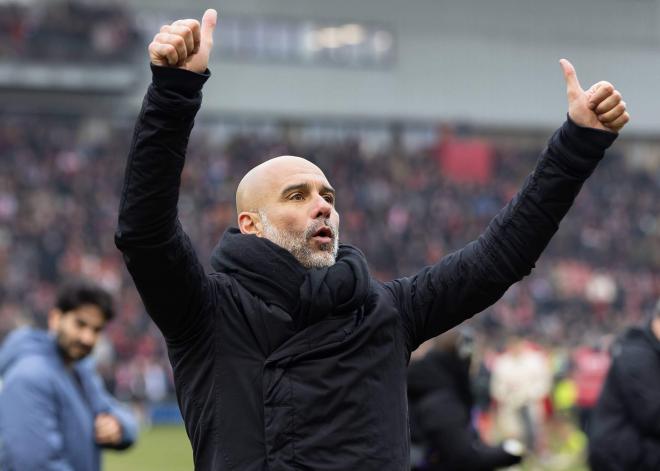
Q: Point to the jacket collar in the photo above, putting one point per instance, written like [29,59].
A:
[274,275]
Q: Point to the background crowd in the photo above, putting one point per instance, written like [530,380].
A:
[403,204]
[60,181]
[67,31]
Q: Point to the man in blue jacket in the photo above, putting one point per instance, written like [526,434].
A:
[290,355]
[55,413]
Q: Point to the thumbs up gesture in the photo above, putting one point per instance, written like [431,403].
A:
[185,44]
[599,107]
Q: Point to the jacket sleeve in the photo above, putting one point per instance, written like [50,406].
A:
[636,373]
[31,437]
[453,441]
[103,402]
[157,252]
[467,281]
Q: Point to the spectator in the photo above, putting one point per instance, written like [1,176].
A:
[590,365]
[55,413]
[441,405]
[520,382]
[625,431]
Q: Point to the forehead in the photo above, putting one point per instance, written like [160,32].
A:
[289,173]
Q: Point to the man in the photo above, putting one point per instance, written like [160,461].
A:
[625,425]
[590,364]
[55,414]
[289,355]
[441,403]
[521,379]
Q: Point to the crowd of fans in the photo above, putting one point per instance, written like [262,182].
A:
[60,181]
[66,31]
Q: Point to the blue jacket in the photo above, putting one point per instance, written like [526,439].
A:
[46,421]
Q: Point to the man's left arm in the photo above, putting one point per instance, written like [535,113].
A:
[115,425]
[471,279]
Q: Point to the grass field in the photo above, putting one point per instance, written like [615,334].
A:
[168,449]
[158,449]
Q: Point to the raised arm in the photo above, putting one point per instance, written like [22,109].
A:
[158,254]
[466,282]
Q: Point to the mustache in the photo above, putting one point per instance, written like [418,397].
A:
[83,347]
[318,224]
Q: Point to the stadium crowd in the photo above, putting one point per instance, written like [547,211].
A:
[66,31]
[60,180]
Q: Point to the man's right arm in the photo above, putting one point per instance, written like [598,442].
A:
[158,254]
[31,436]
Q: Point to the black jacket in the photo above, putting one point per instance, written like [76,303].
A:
[441,404]
[258,393]
[625,425]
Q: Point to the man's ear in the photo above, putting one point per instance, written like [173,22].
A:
[54,319]
[250,223]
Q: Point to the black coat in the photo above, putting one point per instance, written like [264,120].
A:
[625,425]
[258,393]
[441,404]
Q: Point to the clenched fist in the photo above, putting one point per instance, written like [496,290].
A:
[599,107]
[107,429]
[185,44]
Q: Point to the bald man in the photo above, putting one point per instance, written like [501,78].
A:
[289,355]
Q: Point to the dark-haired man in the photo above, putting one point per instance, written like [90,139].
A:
[55,414]
[290,355]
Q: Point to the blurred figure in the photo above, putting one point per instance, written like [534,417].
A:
[521,380]
[55,413]
[590,365]
[625,428]
[441,404]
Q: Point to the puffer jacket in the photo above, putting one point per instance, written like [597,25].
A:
[260,391]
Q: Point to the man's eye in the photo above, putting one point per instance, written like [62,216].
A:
[296,196]
[329,198]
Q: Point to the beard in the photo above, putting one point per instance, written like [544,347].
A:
[300,243]
[71,351]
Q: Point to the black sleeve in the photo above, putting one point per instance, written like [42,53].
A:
[636,373]
[158,254]
[454,443]
[467,281]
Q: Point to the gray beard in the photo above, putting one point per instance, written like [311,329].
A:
[298,243]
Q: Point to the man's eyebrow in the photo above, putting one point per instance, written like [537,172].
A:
[306,187]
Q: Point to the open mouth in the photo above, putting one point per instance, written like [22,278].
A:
[324,235]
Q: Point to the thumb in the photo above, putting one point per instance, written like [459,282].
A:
[573,88]
[208,25]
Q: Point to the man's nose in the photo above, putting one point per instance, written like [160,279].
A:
[88,337]
[322,209]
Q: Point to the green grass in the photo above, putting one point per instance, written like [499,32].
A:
[168,449]
[157,449]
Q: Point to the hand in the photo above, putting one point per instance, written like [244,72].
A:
[600,107]
[107,429]
[185,44]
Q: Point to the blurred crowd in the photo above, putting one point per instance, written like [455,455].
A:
[60,180]
[66,31]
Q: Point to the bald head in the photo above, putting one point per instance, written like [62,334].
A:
[288,201]
[265,178]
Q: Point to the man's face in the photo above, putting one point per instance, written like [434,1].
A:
[76,331]
[300,216]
